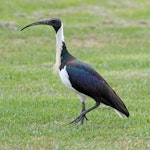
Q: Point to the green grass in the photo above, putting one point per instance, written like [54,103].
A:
[35,108]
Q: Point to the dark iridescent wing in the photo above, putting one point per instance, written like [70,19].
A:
[85,80]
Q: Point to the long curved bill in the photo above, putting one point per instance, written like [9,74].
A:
[44,22]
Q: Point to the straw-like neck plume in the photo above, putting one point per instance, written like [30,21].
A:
[59,45]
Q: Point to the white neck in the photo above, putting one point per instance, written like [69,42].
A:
[59,40]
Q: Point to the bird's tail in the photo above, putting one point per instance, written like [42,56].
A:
[118,104]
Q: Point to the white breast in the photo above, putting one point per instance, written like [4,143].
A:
[65,78]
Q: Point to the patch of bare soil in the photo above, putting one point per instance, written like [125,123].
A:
[35,15]
[8,25]
[126,23]
[90,41]
[127,3]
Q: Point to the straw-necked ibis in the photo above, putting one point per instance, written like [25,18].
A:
[80,77]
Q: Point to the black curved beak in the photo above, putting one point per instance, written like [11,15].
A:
[44,22]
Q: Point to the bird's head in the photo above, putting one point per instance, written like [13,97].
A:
[54,22]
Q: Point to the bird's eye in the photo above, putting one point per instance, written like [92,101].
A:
[54,22]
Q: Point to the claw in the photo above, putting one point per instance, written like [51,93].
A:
[86,118]
[79,118]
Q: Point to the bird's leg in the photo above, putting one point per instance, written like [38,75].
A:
[83,109]
[82,99]
[82,115]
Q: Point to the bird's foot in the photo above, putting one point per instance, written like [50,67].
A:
[81,118]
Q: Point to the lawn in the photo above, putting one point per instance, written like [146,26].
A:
[113,36]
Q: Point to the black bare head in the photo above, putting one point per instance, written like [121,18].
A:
[54,22]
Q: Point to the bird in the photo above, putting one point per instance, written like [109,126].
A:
[80,77]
